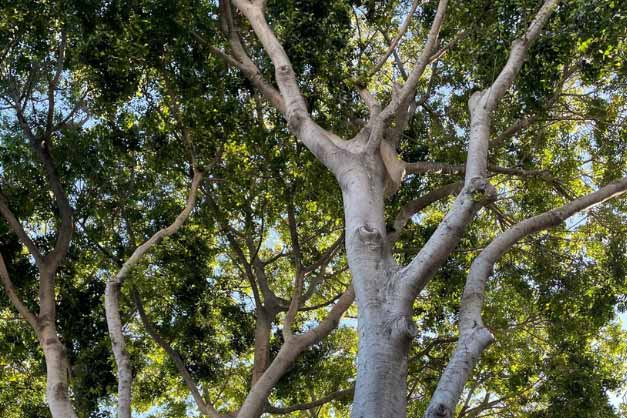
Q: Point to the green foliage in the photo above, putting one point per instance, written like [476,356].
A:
[152,80]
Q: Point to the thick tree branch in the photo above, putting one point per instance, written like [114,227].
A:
[291,349]
[474,336]
[241,60]
[323,144]
[483,103]
[477,191]
[517,56]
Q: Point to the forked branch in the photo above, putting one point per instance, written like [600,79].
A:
[112,299]
[474,336]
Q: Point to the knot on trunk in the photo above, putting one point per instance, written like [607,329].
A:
[475,101]
[44,321]
[439,410]
[59,392]
[295,119]
[403,328]
[370,236]
[481,191]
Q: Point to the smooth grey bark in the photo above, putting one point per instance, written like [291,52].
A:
[294,345]
[44,322]
[118,346]
[57,364]
[474,336]
[57,372]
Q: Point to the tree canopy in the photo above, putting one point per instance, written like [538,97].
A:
[194,193]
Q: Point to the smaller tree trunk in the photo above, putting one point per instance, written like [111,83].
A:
[258,395]
[263,329]
[122,360]
[57,373]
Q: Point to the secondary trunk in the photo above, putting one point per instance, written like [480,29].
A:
[263,329]
[258,395]
[57,372]
[122,360]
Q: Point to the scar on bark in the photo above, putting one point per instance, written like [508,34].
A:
[60,391]
[370,235]
[481,190]
[404,327]
[443,411]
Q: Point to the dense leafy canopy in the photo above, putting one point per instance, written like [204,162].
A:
[143,96]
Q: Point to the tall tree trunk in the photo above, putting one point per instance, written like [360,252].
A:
[381,386]
[380,390]
[57,372]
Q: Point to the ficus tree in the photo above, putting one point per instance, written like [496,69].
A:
[368,170]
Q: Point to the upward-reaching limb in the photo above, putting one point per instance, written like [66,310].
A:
[474,336]
[323,144]
[482,104]
[112,300]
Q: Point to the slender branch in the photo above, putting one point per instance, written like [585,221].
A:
[112,299]
[299,274]
[415,206]
[401,32]
[327,255]
[425,167]
[378,123]
[162,233]
[340,394]
[18,229]
[17,302]
[41,148]
[205,407]
[52,86]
